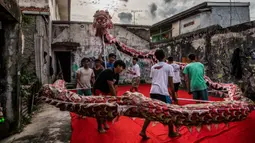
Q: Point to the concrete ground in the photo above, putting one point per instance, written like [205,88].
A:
[49,125]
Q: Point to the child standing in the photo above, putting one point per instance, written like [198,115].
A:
[135,72]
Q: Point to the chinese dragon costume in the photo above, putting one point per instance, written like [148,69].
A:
[235,106]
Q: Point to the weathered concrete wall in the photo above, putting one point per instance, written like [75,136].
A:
[28,56]
[33,3]
[42,48]
[176,29]
[221,16]
[214,47]
[206,19]
[143,33]
[54,10]
[9,81]
[90,46]
[36,44]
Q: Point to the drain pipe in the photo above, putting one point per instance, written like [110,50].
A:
[41,57]
[21,42]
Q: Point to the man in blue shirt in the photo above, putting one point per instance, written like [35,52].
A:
[111,60]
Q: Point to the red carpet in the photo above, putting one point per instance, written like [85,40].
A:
[127,130]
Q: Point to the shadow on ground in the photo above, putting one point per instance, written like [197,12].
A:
[49,125]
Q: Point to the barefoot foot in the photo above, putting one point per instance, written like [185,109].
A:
[106,127]
[101,131]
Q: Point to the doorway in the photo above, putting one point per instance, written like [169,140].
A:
[63,64]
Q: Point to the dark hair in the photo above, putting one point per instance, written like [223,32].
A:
[97,60]
[136,59]
[160,55]
[192,57]
[119,63]
[170,59]
[85,59]
[112,55]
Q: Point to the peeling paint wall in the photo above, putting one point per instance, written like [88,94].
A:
[90,46]
[214,47]
[35,58]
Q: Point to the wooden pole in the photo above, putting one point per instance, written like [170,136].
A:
[104,49]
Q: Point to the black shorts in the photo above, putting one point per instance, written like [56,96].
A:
[162,98]
[176,86]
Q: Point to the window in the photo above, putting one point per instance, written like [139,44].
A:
[164,33]
[189,24]
[156,38]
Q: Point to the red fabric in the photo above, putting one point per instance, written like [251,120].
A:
[98,92]
[126,130]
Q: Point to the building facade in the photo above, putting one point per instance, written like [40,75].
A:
[215,48]
[36,26]
[207,14]
[73,41]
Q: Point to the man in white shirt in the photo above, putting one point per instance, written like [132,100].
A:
[135,72]
[84,77]
[177,77]
[162,77]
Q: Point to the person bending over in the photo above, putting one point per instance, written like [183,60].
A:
[177,77]
[194,77]
[162,76]
[135,72]
[106,84]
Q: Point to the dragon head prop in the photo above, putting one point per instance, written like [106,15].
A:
[102,22]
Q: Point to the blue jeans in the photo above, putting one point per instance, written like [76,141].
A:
[200,94]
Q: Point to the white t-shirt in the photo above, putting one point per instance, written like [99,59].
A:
[136,70]
[159,74]
[85,77]
[177,77]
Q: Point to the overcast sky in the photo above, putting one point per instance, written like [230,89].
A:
[150,11]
